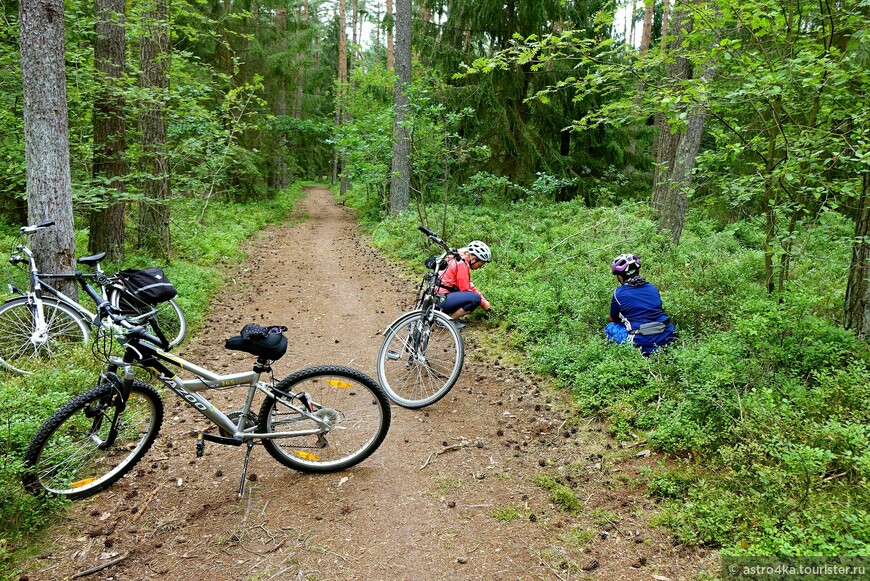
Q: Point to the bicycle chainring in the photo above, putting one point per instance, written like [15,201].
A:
[251,421]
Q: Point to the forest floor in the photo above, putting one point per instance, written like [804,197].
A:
[450,494]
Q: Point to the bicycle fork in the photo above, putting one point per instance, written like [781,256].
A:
[118,403]
[40,326]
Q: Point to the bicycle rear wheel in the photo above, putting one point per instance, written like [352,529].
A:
[421,358]
[70,455]
[168,316]
[23,350]
[350,419]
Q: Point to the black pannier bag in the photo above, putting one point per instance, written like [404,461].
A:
[151,286]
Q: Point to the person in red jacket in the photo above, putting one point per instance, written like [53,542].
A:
[462,296]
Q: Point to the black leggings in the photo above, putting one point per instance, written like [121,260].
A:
[465,300]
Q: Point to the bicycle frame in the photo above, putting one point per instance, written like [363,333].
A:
[152,358]
[38,284]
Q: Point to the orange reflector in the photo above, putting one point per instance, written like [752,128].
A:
[338,383]
[81,483]
[307,456]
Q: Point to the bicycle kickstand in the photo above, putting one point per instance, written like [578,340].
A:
[245,468]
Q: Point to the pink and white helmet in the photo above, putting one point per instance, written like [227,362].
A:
[627,265]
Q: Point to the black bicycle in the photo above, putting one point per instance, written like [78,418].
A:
[422,354]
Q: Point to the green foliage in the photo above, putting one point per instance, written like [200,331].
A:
[764,396]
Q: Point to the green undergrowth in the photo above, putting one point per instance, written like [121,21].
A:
[207,240]
[763,404]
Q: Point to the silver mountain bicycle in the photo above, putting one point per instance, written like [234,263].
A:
[422,354]
[321,419]
[43,324]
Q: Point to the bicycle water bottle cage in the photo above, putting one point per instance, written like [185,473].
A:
[268,342]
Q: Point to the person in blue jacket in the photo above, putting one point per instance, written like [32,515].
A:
[636,313]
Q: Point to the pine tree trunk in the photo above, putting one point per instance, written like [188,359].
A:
[154,232]
[300,79]
[857,305]
[278,176]
[400,176]
[107,229]
[666,10]
[337,165]
[391,26]
[647,26]
[46,138]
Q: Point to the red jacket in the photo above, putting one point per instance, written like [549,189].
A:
[457,276]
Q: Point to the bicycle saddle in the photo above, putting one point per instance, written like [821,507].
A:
[268,342]
[93,259]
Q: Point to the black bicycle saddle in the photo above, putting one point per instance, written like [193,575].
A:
[268,342]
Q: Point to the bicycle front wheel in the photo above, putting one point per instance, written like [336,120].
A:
[72,456]
[347,419]
[168,316]
[24,348]
[421,358]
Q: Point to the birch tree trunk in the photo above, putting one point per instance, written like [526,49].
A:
[107,224]
[400,177]
[46,138]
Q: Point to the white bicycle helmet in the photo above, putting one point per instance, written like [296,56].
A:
[480,250]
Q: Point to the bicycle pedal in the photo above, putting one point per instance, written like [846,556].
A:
[200,445]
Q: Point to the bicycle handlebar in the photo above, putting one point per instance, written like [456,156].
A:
[106,310]
[136,331]
[32,229]
[434,237]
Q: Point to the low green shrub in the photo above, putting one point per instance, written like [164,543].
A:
[766,394]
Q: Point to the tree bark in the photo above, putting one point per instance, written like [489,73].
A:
[107,226]
[666,10]
[400,177]
[337,168]
[857,305]
[154,232]
[676,150]
[278,176]
[46,138]
[647,26]
[388,17]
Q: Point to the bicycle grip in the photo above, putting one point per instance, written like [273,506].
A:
[139,332]
[426,231]
[45,224]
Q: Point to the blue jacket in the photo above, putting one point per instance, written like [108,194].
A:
[632,306]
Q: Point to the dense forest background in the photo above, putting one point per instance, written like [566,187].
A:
[726,143]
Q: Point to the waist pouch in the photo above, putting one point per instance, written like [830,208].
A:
[650,328]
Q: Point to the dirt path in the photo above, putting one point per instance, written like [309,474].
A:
[449,495]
